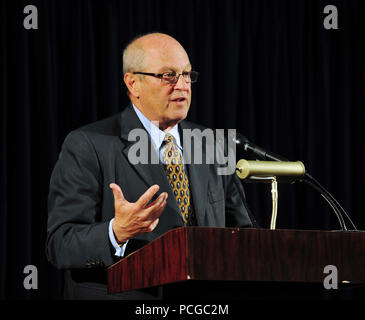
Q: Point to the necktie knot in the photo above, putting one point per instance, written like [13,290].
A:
[168,138]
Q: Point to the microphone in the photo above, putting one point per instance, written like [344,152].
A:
[242,142]
[289,171]
[262,172]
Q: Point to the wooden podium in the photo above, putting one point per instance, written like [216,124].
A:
[195,258]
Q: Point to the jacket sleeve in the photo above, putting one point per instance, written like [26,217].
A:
[76,238]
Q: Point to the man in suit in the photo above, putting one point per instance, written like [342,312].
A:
[103,205]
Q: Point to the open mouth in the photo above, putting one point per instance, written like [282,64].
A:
[181,99]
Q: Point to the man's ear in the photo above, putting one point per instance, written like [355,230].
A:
[132,83]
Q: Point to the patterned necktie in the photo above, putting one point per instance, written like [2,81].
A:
[178,178]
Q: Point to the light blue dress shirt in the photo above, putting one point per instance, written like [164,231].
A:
[157,137]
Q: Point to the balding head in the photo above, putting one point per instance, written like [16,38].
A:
[142,49]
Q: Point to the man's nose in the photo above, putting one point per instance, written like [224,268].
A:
[181,83]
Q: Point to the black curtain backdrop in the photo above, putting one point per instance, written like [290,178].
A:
[267,68]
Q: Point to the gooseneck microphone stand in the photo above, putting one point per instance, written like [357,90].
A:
[307,179]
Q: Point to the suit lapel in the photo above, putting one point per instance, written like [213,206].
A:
[150,173]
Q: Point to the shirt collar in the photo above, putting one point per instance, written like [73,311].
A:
[156,134]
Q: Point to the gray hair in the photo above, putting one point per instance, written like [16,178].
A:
[133,58]
[134,54]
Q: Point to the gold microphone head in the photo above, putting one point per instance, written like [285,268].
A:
[288,170]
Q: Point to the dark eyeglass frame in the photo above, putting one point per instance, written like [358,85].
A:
[175,79]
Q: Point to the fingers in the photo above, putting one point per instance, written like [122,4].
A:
[150,226]
[138,217]
[155,209]
[117,192]
[147,196]
[160,198]
[154,224]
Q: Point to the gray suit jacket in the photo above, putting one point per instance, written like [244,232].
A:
[81,204]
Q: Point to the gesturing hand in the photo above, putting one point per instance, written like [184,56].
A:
[133,218]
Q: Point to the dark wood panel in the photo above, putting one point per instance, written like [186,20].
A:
[160,262]
[276,255]
[199,253]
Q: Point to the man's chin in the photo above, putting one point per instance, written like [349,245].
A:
[180,115]
[179,111]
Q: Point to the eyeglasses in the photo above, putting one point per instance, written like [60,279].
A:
[172,77]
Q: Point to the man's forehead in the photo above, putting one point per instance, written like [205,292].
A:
[169,67]
[174,59]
